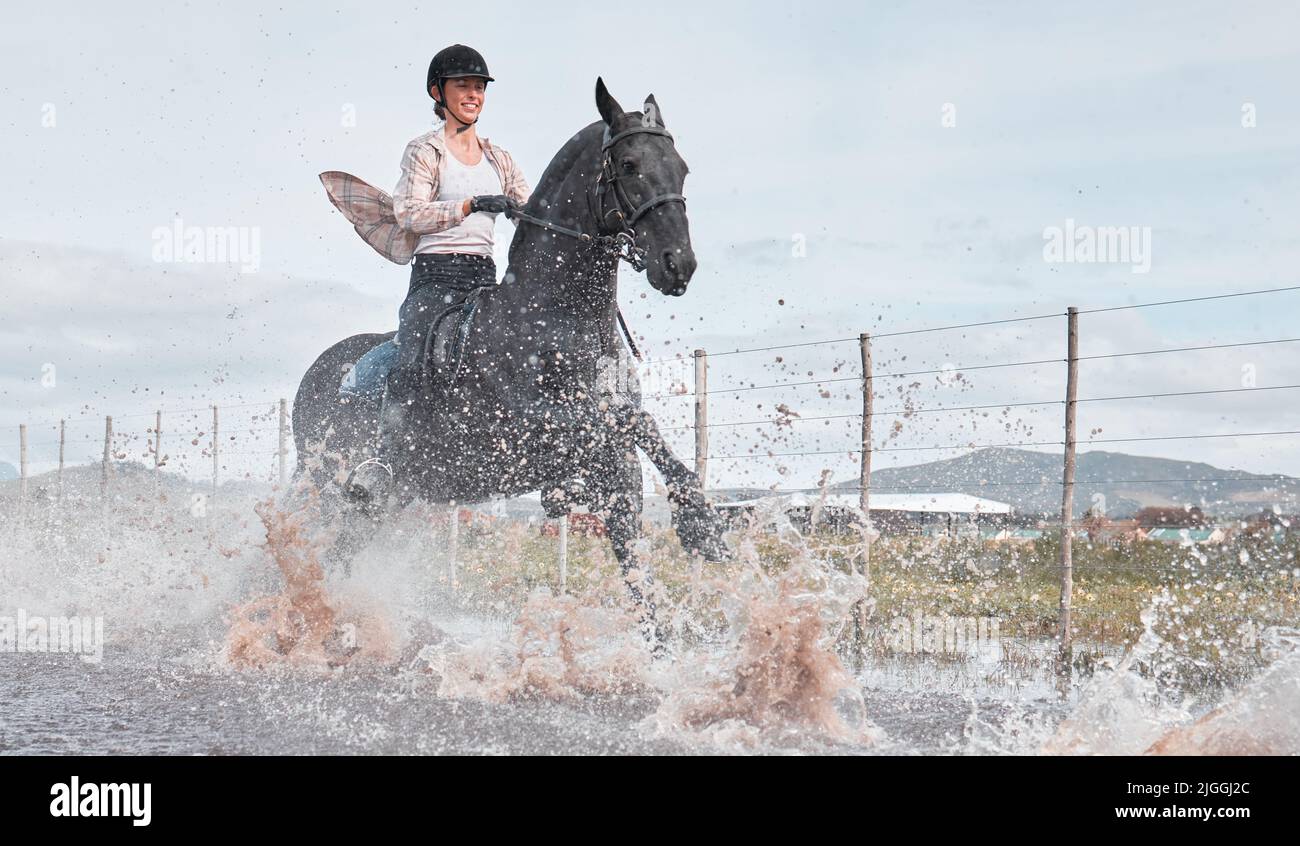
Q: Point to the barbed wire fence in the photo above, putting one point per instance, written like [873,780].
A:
[187,441]
[184,438]
[1067,403]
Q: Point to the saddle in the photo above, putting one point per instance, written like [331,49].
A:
[445,342]
[443,356]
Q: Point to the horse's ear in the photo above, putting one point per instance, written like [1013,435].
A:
[650,111]
[608,107]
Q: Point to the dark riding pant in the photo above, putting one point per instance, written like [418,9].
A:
[439,281]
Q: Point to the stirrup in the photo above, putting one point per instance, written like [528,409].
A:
[375,460]
[387,468]
[351,489]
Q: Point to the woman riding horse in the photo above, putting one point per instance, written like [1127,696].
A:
[519,388]
[453,185]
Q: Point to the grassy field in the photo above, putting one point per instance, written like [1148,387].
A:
[1211,602]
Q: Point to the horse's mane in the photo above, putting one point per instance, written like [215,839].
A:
[552,180]
[563,161]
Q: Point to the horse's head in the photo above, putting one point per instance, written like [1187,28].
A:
[645,174]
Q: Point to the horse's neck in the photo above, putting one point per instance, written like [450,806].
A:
[572,299]
[555,274]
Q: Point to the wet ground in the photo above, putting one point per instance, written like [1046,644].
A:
[58,704]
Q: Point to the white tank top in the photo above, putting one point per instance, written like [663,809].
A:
[457,181]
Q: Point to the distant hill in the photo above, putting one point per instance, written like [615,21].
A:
[130,479]
[7,471]
[1031,482]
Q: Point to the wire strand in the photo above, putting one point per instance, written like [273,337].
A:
[1191,300]
[1189,349]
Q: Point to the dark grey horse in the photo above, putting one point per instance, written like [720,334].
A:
[543,397]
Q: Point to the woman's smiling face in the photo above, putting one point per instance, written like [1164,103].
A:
[464,96]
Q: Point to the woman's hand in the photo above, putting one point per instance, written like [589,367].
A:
[492,204]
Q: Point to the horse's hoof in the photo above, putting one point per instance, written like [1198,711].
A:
[700,531]
[698,525]
[368,486]
[704,538]
[363,501]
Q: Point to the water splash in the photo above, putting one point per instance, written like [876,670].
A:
[1122,709]
[562,648]
[765,671]
[777,672]
[303,624]
[1261,719]
[755,664]
[1125,710]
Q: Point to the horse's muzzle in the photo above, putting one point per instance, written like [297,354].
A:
[678,271]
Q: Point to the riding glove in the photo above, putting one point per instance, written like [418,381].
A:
[493,204]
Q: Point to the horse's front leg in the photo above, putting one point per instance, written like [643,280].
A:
[615,495]
[698,525]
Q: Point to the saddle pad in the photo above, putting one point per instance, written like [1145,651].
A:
[444,346]
[444,354]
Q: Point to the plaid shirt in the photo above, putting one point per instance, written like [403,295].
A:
[393,225]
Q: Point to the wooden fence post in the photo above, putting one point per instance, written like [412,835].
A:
[106,468]
[861,610]
[216,467]
[1067,492]
[62,441]
[864,472]
[701,415]
[284,431]
[564,554]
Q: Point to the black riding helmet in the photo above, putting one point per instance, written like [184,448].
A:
[456,60]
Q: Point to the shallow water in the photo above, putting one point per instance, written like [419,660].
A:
[224,636]
[57,704]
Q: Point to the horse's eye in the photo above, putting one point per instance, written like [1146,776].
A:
[628,166]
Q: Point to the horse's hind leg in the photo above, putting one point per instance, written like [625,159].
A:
[698,525]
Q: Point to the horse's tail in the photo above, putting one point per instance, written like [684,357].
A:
[333,431]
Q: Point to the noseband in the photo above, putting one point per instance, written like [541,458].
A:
[622,242]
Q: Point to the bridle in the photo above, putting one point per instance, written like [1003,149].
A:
[622,243]
[611,182]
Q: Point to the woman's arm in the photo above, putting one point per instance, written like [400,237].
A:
[513,183]
[414,205]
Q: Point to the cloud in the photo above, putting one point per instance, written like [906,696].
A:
[821,119]
[91,333]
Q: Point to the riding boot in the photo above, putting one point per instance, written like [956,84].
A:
[371,482]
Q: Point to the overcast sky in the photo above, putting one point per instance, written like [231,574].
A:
[918,150]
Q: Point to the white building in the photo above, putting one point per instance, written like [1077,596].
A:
[949,514]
